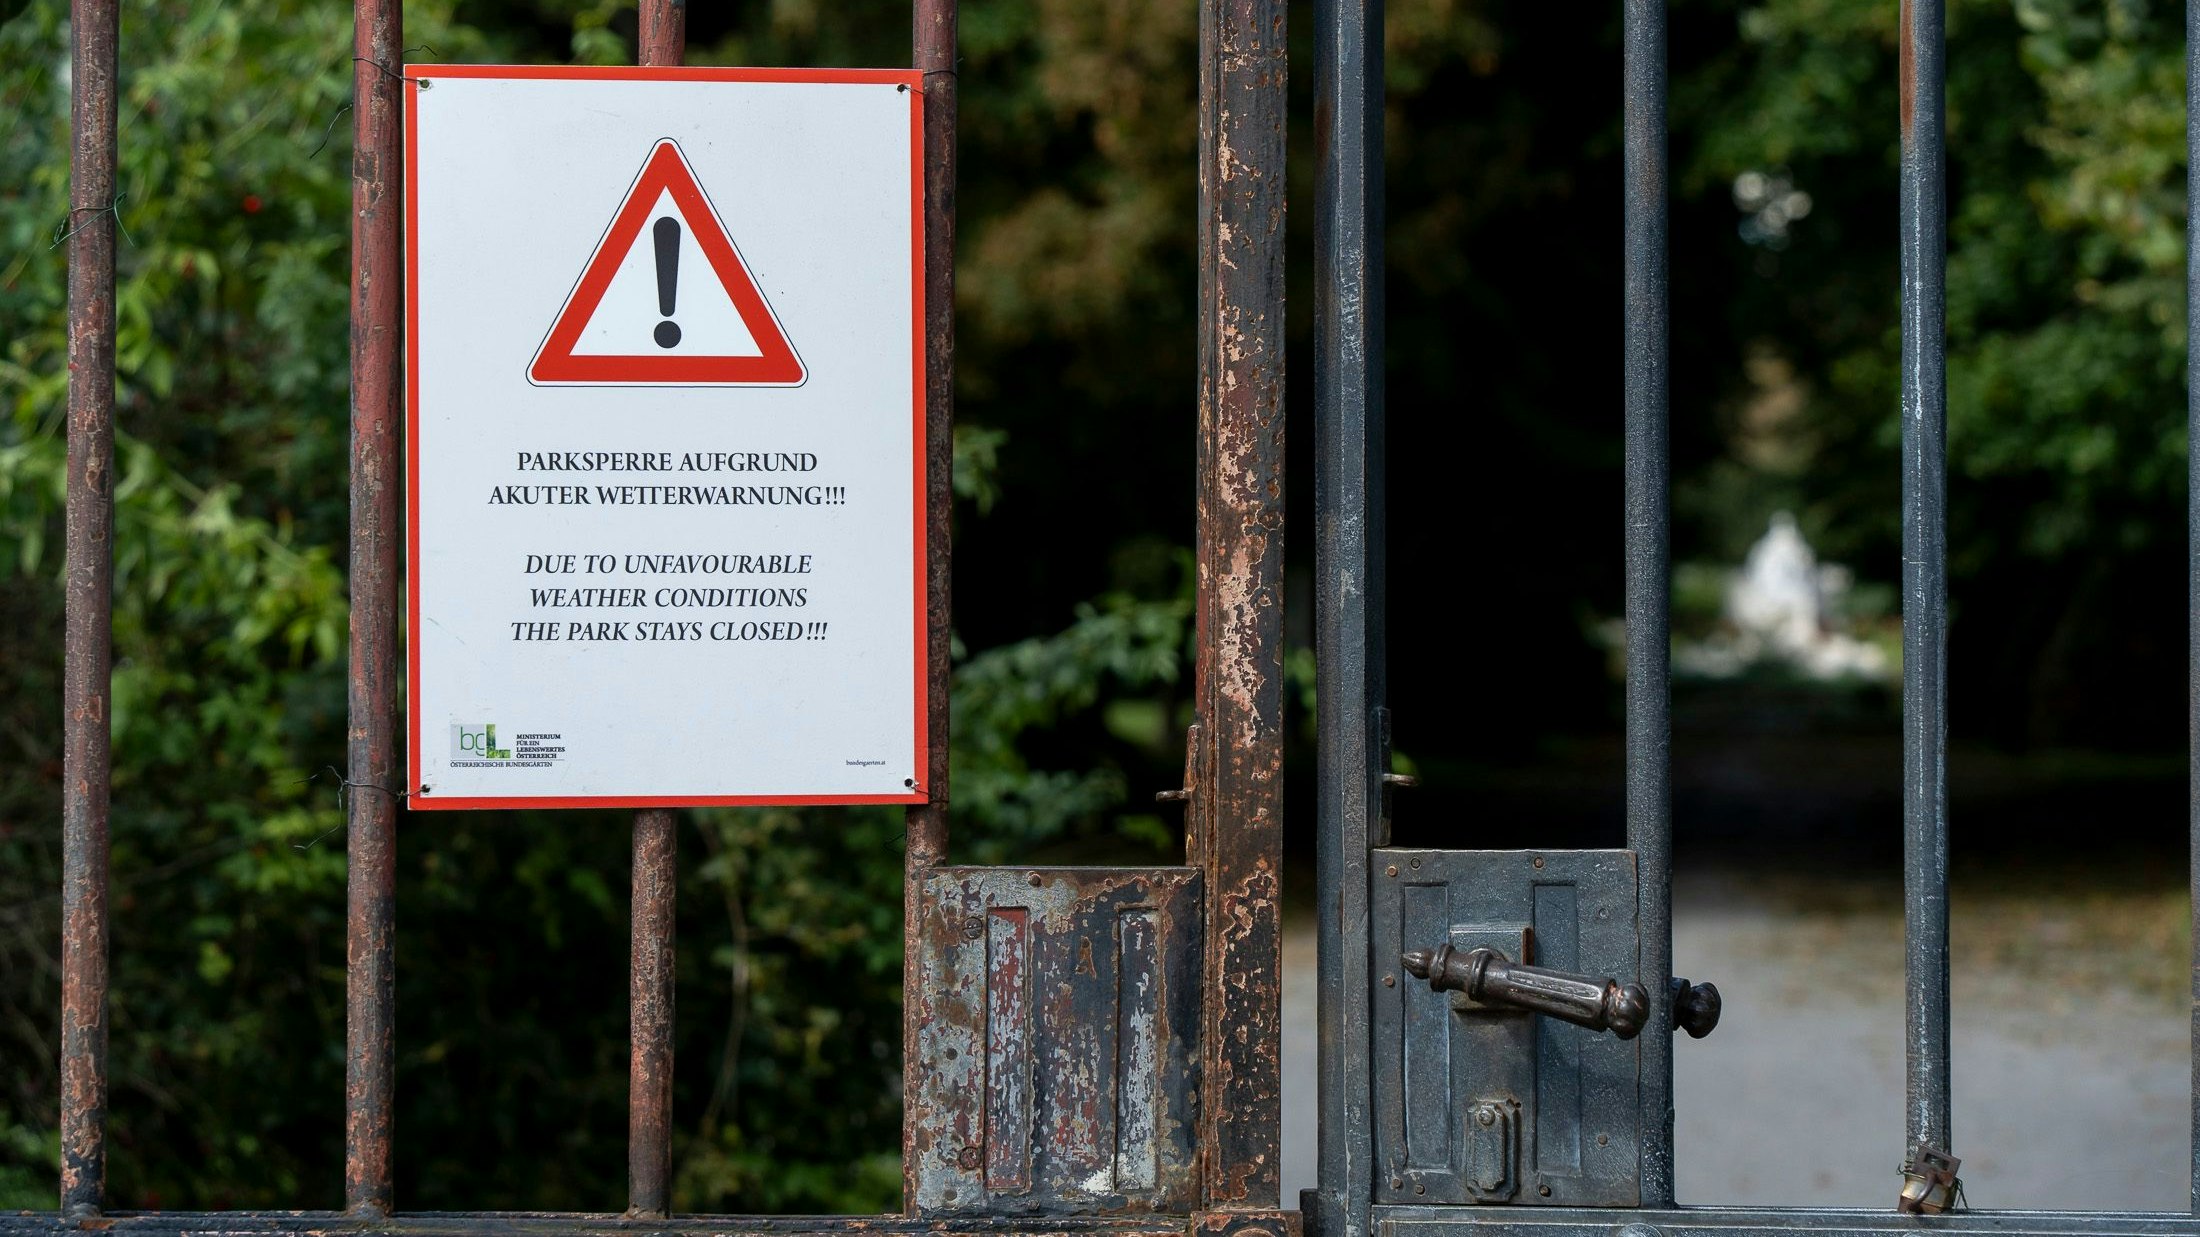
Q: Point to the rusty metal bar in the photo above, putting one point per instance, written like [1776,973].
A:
[89,600]
[649,994]
[1351,586]
[662,41]
[1924,241]
[1648,552]
[2192,521]
[1237,812]
[662,38]
[933,36]
[377,411]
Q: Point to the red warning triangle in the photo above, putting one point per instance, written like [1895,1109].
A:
[638,353]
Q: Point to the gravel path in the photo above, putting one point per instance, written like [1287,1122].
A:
[2071,1063]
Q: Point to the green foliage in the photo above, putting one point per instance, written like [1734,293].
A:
[230,640]
[1006,696]
[2066,255]
[2065,322]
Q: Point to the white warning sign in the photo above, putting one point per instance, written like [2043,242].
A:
[666,410]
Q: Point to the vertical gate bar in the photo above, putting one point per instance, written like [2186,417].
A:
[1237,824]
[661,41]
[934,30]
[2192,523]
[649,997]
[933,41]
[1648,551]
[377,386]
[1924,571]
[662,37]
[89,608]
[1350,584]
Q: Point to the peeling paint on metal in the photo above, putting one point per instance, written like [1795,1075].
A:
[1110,957]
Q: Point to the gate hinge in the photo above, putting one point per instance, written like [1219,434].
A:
[1190,790]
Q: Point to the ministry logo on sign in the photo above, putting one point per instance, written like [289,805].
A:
[476,742]
[474,745]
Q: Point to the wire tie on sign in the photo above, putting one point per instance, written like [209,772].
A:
[330,132]
[369,60]
[344,786]
[65,231]
[388,72]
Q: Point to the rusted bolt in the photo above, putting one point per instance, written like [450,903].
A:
[1539,861]
[1390,981]
[1603,1140]
[1543,1190]
[1397,1183]
[969,1157]
[1486,1117]
[1392,870]
[1420,1187]
[1035,880]
[973,927]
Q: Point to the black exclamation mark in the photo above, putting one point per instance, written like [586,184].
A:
[667,235]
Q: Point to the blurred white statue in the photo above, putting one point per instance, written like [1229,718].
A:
[1781,605]
[1776,596]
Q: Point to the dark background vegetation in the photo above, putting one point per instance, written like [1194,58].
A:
[1074,466]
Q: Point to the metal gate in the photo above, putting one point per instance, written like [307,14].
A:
[1091,1050]
[1497,1027]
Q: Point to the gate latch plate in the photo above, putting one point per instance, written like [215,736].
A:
[1482,1103]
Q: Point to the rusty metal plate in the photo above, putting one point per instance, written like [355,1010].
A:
[1057,1055]
[1449,1075]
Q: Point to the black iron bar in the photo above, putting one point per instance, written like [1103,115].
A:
[1350,585]
[933,31]
[661,41]
[1649,511]
[2192,519]
[87,685]
[1924,241]
[377,411]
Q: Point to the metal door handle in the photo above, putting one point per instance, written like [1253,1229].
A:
[1488,976]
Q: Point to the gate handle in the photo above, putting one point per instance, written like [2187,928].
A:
[1598,1004]
[1488,976]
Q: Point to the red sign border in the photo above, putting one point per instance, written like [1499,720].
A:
[423,798]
